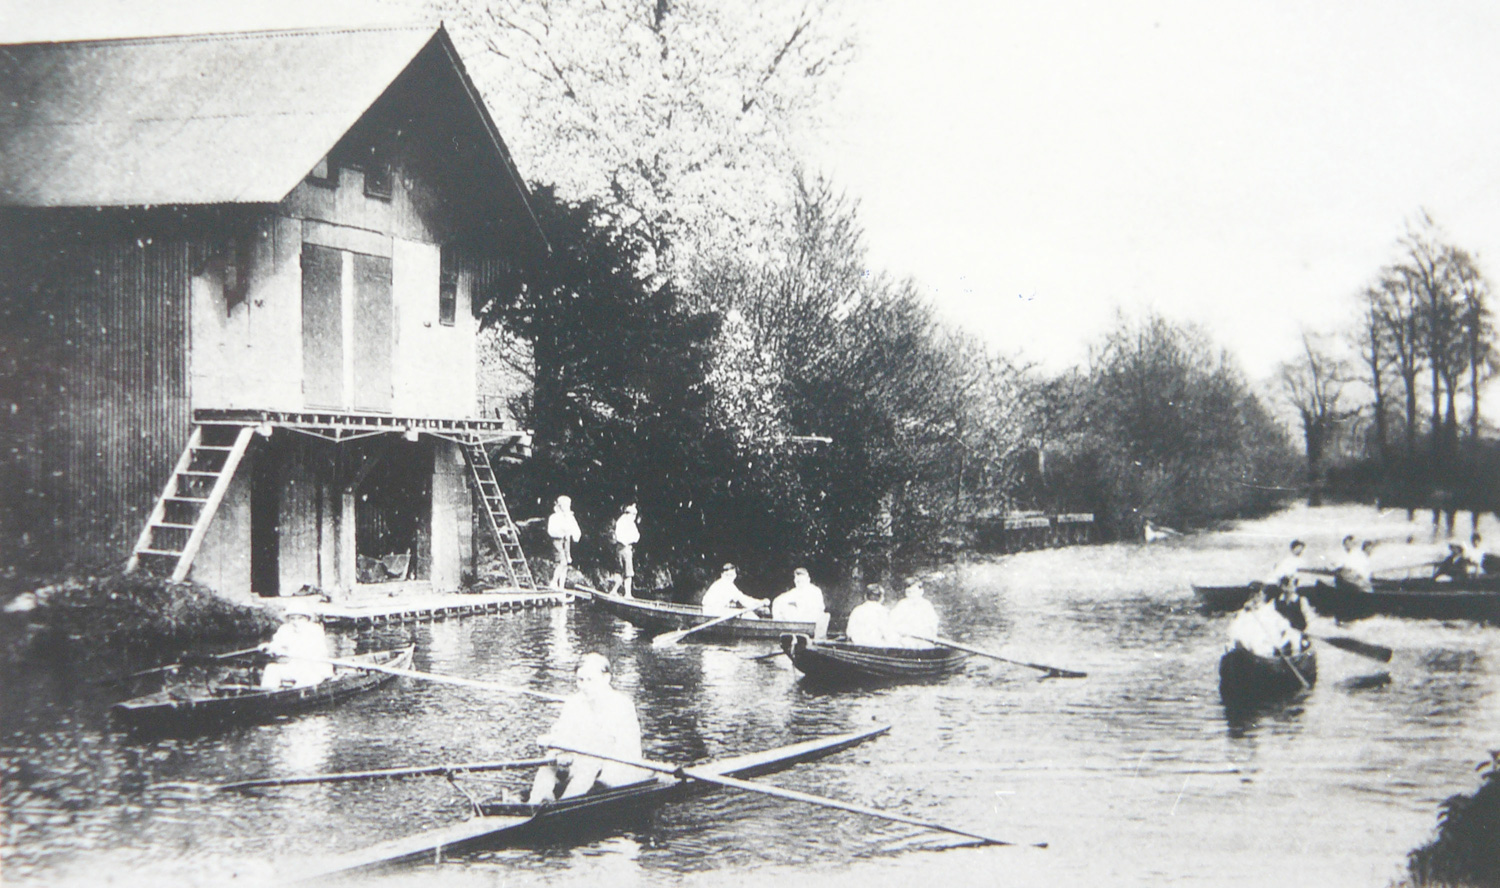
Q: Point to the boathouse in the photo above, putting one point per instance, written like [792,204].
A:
[238,280]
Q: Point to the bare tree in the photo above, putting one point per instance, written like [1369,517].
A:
[1314,386]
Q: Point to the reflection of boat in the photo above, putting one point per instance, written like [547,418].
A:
[1474,599]
[499,825]
[842,661]
[665,616]
[1245,678]
[189,707]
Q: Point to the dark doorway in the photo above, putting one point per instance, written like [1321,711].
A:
[393,513]
[265,524]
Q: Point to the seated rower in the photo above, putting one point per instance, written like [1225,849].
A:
[303,647]
[1353,570]
[597,718]
[1455,566]
[724,597]
[914,615]
[1290,566]
[870,623]
[1292,606]
[802,603]
[1259,629]
[1480,561]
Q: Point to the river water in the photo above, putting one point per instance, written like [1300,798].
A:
[1134,776]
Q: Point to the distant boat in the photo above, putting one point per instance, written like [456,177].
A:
[843,661]
[184,708]
[666,616]
[1476,598]
[1247,679]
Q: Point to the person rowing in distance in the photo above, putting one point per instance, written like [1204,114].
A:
[724,597]
[802,603]
[1290,566]
[1292,606]
[1260,629]
[1354,570]
[870,623]
[914,615]
[597,718]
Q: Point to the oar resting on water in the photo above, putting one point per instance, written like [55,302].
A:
[1355,646]
[684,772]
[1052,671]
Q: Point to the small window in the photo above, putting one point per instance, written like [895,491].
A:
[448,287]
[323,173]
[377,175]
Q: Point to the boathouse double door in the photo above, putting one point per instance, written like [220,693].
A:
[348,335]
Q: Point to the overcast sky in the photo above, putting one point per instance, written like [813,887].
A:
[1035,166]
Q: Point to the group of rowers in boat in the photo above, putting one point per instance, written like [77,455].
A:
[1353,570]
[870,623]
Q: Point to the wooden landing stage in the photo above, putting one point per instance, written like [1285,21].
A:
[434,606]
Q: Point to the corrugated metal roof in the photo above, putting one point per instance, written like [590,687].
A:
[203,119]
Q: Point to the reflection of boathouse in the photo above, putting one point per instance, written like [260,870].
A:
[237,279]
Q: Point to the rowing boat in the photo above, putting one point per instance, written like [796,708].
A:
[845,662]
[508,824]
[1475,598]
[666,616]
[197,707]
[1246,678]
[1422,599]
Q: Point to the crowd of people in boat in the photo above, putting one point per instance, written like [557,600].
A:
[1352,567]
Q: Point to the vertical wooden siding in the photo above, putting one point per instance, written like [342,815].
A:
[99,406]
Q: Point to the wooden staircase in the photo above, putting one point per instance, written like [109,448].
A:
[507,537]
[175,530]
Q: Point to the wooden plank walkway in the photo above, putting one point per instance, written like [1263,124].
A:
[434,606]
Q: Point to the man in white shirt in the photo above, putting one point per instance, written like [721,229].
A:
[870,623]
[1290,566]
[724,597]
[562,527]
[1353,569]
[914,615]
[802,603]
[303,644]
[627,534]
[600,719]
[1259,629]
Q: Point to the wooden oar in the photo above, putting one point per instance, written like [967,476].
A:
[670,638]
[1306,686]
[341,776]
[1052,671]
[433,676]
[1355,646]
[706,776]
[183,662]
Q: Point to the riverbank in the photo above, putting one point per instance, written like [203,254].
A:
[1466,850]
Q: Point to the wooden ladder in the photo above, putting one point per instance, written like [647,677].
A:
[507,537]
[178,524]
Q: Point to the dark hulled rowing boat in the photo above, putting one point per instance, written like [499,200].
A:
[501,825]
[1245,678]
[1222,599]
[200,707]
[844,662]
[666,616]
[1474,599]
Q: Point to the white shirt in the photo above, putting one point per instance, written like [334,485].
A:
[1261,630]
[915,616]
[626,531]
[1286,567]
[606,723]
[870,624]
[296,639]
[562,525]
[799,603]
[1356,562]
[723,596]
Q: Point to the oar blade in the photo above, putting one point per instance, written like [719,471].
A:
[667,639]
[1364,649]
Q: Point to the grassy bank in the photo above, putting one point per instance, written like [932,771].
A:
[119,617]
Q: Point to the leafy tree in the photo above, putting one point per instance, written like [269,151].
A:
[676,118]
